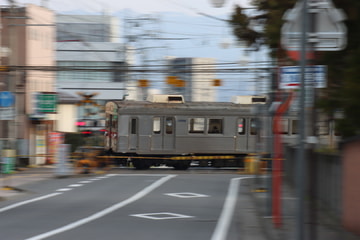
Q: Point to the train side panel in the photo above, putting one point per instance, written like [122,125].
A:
[174,135]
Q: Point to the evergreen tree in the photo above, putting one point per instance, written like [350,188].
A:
[343,91]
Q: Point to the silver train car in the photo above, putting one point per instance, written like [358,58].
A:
[167,130]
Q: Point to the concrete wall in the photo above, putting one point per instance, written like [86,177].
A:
[351,189]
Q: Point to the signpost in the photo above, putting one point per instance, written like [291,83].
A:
[330,34]
[290,77]
[7,99]
[7,111]
[46,102]
[312,25]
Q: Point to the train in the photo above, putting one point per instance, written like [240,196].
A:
[166,130]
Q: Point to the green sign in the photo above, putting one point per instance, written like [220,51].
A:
[46,102]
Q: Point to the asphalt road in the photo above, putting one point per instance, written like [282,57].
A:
[136,205]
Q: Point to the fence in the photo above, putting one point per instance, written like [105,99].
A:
[323,177]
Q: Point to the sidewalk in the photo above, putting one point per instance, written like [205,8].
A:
[325,228]
[10,184]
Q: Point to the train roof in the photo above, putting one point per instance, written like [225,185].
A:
[129,106]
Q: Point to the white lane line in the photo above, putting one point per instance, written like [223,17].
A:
[76,185]
[103,177]
[222,226]
[64,189]
[28,201]
[82,182]
[106,211]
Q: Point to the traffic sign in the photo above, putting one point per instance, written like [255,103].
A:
[7,99]
[7,113]
[314,75]
[330,34]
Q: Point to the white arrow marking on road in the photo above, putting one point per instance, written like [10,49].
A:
[106,211]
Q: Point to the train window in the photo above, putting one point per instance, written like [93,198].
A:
[156,125]
[133,126]
[215,126]
[169,125]
[295,127]
[241,126]
[196,125]
[253,126]
[284,126]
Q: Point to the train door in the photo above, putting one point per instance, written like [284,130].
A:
[113,130]
[246,138]
[241,135]
[133,134]
[163,134]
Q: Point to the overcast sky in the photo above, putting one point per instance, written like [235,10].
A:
[199,36]
[142,6]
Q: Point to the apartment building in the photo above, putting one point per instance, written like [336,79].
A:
[196,76]
[92,62]
[27,37]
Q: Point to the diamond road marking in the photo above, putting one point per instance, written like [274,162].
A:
[186,195]
[161,216]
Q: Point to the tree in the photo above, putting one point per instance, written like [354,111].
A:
[343,91]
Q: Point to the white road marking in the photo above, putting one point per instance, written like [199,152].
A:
[186,195]
[64,189]
[85,182]
[103,177]
[76,185]
[28,201]
[161,216]
[223,224]
[111,174]
[106,211]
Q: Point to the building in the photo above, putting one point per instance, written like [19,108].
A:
[91,63]
[27,35]
[194,78]
[87,28]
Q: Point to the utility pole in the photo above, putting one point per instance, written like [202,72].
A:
[137,31]
[296,36]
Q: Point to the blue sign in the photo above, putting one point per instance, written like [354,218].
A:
[315,76]
[7,99]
